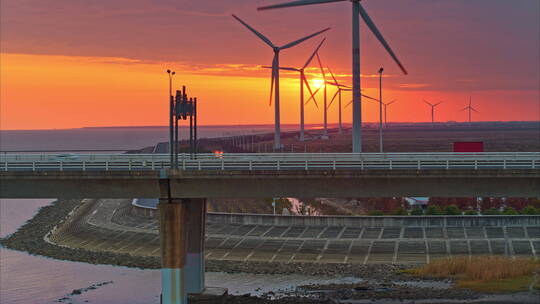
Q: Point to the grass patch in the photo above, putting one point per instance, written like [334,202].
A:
[515,284]
[483,273]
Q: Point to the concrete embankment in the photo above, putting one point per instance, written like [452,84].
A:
[31,238]
[110,232]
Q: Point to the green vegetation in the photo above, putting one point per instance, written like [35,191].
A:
[530,210]
[452,210]
[400,212]
[417,211]
[375,213]
[491,211]
[509,211]
[433,210]
[470,212]
[483,273]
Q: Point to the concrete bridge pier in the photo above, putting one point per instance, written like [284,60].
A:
[172,231]
[182,231]
[195,223]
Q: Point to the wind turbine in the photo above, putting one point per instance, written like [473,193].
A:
[357,11]
[385,106]
[325,107]
[303,81]
[275,74]
[470,108]
[432,105]
[340,88]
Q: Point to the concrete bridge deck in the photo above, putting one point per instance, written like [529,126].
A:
[110,225]
[264,184]
[270,175]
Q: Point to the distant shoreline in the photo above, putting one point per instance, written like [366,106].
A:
[270,125]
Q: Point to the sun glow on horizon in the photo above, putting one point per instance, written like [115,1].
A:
[317,83]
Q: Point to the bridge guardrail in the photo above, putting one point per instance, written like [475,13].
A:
[272,161]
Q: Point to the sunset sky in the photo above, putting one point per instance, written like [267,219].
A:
[80,63]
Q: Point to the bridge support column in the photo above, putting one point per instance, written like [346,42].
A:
[195,222]
[172,215]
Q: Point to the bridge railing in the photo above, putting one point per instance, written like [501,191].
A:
[272,161]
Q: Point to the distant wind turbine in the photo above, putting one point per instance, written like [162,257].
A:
[470,108]
[385,106]
[325,106]
[275,74]
[340,88]
[303,81]
[357,11]
[432,105]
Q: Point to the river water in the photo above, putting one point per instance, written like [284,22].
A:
[27,279]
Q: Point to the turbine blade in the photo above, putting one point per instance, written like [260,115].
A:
[438,103]
[289,69]
[380,37]
[261,36]
[313,55]
[474,110]
[313,97]
[332,100]
[322,69]
[310,92]
[288,45]
[283,68]
[429,103]
[296,3]
[391,102]
[350,102]
[368,97]
[274,65]
[333,77]
[466,108]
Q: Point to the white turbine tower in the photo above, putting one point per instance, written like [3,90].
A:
[470,108]
[432,105]
[357,11]
[275,74]
[304,81]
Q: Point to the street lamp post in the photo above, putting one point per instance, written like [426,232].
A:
[171,114]
[380,112]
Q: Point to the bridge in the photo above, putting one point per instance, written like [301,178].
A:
[273,174]
[182,191]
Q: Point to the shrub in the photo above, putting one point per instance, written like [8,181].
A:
[470,212]
[417,211]
[530,210]
[452,210]
[400,211]
[491,211]
[433,210]
[509,211]
[375,213]
[479,267]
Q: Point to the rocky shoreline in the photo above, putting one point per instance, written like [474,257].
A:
[31,238]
